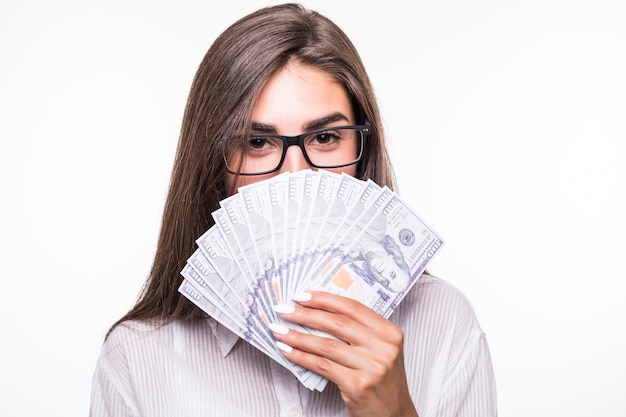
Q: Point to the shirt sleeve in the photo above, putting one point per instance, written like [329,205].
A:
[472,389]
[112,391]
[106,400]
[451,373]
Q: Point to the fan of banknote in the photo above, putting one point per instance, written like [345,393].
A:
[308,230]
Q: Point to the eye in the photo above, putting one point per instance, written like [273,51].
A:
[262,145]
[325,137]
[325,140]
[257,143]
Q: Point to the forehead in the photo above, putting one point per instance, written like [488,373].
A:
[298,93]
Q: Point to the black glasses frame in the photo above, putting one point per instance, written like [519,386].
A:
[298,141]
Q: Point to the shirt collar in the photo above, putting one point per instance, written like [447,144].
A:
[225,338]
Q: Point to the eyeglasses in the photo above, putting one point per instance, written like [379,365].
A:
[331,147]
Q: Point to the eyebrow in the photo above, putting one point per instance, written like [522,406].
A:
[311,125]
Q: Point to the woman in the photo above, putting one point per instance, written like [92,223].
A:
[284,70]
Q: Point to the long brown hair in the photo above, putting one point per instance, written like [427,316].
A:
[223,93]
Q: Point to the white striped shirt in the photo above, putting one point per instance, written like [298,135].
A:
[202,369]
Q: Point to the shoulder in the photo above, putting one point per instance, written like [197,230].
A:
[132,335]
[116,367]
[445,350]
[131,332]
[136,347]
[440,326]
[431,293]
[437,309]
[125,342]
[133,342]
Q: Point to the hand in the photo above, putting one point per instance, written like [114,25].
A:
[365,361]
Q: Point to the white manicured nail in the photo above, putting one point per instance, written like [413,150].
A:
[301,296]
[278,328]
[284,308]
[284,347]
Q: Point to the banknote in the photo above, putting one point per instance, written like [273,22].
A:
[295,194]
[345,196]
[191,289]
[232,297]
[233,223]
[353,200]
[265,226]
[214,247]
[381,258]
[278,201]
[323,192]
[308,230]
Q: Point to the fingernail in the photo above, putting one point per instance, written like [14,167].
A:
[284,347]
[278,328]
[301,296]
[284,308]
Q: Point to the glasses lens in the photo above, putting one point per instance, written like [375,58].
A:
[258,154]
[334,147]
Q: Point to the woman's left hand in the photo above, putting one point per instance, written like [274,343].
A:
[365,361]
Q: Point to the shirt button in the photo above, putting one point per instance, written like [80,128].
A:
[294,412]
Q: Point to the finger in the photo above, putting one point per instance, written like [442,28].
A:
[327,347]
[337,325]
[339,304]
[318,364]
[305,351]
[347,307]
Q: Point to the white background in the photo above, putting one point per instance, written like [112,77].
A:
[506,121]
